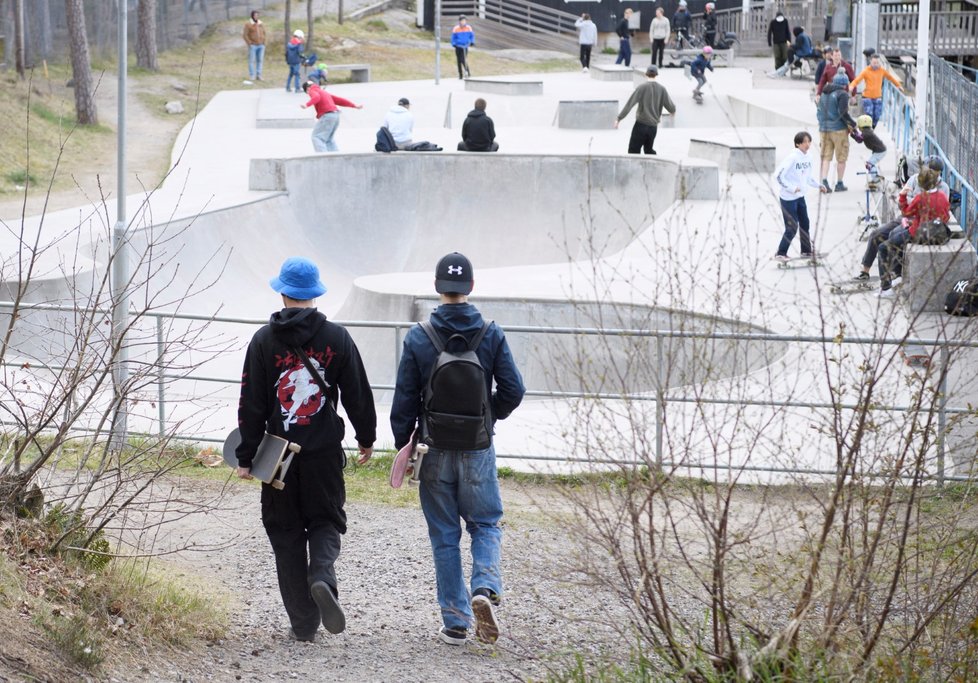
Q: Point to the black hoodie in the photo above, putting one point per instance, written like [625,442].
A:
[279,395]
[478,132]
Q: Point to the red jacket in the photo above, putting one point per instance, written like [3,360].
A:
[927,206]
[829,73]
[324,102]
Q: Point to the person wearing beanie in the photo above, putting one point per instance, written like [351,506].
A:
[281,396]
[779,39]
[254,38]
[652,98]
[458,474]
[834,124]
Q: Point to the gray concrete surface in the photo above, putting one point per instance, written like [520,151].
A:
[504,86]
[587,114]
[929,273]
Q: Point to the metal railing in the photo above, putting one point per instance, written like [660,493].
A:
[661,395]
[951,32]
[518,14]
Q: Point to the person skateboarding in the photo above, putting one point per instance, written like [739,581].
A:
[280,394]
[458,474]
[794,176]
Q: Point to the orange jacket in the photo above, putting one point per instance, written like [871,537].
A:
[874,82]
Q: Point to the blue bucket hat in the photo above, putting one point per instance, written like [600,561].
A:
[298,279]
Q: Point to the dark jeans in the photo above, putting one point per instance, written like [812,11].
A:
[878,236]
[643,138]
[304,522]
[624,52]
[461,57]
[891,256]
[658,49]
[795,214]
[493,147]
[710,38]
[586,56]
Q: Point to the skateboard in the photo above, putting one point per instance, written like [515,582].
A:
[852,286]
[801,262]
[698,98]
[407,462]
[274,456]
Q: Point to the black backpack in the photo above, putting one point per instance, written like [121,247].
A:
[385,141]
[963,298]
[457,414]
[933,233]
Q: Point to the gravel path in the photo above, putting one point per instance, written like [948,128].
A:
[387,588]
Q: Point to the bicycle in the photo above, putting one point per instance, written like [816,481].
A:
[679,41]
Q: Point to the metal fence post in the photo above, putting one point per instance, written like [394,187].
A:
[160,389]
[397,352]
[942,414]
[660,400]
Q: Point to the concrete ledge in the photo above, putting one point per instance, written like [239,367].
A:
[585,114]
[498,86]
[359,73]
[267,175]
[612,72]
[746,155]
[930,272]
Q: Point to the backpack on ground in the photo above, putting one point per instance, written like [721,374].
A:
[422,146]
[932,233]
[963,298]
[457,414]
[385,141]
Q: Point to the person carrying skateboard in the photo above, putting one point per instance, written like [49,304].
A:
[458,474]
[305,519]
[793,176]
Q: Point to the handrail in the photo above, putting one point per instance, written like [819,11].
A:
[515,13]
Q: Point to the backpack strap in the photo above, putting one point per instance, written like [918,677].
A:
[439,343]
[319,379]
[433,335]
[474,345]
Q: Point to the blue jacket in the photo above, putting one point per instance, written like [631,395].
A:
[419,355]
[463,37]
[700,65]
[832,111]
[803,46]
[293,53]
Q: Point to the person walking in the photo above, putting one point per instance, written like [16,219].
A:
[834,123]
[463,37]
[651,98]
[793,176]
[254,38]
[659,34]
[779,39]
[459,482]
[873,75]
[281,396]
[478,131]
[587,37]
[293,57]
[624,39]
[327,115]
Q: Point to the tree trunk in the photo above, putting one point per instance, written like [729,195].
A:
[288,21]
[81,66]
[19,37]
[46,41]
[146,36]
[310,20]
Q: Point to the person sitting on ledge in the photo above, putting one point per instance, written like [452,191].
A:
[478,133]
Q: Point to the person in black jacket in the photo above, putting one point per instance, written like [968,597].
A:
[280,396]
[478,133]
[709,24]
[779,39]
[624,39]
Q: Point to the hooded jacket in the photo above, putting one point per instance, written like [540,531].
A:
[833,109]
[419,355]
[279,395]
[778,32]
[478,133]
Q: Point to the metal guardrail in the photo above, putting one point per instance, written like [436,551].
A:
[661,396]
[518,14]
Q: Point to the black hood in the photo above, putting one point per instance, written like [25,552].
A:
[477,113]
[294,326]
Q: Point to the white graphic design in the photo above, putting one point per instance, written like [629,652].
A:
[454,270]
[299,395]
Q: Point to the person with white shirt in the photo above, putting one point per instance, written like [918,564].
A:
[586,39]
[659,33]
[400,122]
[794,176]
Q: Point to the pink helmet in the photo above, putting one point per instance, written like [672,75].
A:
[708,50]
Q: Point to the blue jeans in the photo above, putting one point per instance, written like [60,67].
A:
[890,261]
[873,108]
[624,52]
[795,214]
[293,71]
[256,57]
[874,159]
[322,134]
[457,485]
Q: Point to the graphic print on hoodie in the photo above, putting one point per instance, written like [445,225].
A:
[298,392]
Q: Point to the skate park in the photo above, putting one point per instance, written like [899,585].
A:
[564,230]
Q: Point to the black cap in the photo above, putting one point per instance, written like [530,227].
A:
[652,70]
[453,274]
[404,102]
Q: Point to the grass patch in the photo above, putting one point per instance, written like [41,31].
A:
[20,178]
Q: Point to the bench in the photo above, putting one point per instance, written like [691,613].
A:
[587,114]
[930,272]
[612,72]
[746,155]
[359,73]
[805,68]
[502,86]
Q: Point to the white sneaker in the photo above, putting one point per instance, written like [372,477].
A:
[897,281]
[781,258]
[885,294]
[584,70]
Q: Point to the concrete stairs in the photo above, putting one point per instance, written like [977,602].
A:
[496,36]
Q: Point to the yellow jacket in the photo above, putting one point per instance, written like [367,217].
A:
[874,82]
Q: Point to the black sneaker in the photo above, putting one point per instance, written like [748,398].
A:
[486,626]
[840,187]
[489,593]
[825,184]
[452,636]
[330,611]
[311,638]
[861,277]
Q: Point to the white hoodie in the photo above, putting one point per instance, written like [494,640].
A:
[794,175]
[400,122]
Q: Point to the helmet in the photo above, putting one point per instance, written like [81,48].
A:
[864,121]
[710,5]
[682,3]
[321,66]
[935,162]
[298,33]
[708,50]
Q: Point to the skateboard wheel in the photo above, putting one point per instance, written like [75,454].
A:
[294,447]
[278,484]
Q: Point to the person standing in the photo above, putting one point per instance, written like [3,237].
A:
[779,39]
[279,395]
[624,39]
[833,66]
[682,22]
[463,37]
[459,483]
[400,122]
[587,37]
[651,98]
[293,57]
[834,123]
[327,116]
[254,38]
[709,24]
[659,34]
[478,131]
[793,176]
[873,76]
